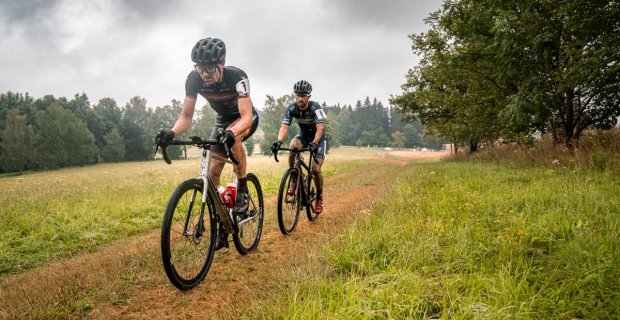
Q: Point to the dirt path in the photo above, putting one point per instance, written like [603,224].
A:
[126,280]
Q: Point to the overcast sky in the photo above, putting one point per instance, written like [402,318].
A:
[347,49]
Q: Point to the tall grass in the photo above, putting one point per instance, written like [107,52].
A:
[597,150]
[472,241]
[51,215]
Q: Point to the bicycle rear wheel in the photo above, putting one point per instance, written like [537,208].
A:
[187,242]
[311,195]
[246,240]
[288,205]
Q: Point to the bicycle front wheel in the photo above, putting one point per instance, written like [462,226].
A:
[289,205]
[311,195]
[251,223]
[187,240]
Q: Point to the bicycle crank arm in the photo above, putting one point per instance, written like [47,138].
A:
[226,219]
[246,220]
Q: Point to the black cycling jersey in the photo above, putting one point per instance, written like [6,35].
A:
[222,96]
[306,119]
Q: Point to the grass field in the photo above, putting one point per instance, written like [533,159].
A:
[52,215]
[451,240]
[470,241]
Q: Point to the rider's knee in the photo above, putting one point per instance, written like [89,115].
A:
[295,144]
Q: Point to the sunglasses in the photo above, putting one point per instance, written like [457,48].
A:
[205,68]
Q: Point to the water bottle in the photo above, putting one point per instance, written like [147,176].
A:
[222,191]
[231,194]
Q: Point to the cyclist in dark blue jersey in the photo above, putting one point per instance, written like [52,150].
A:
[227,89]
[311,120]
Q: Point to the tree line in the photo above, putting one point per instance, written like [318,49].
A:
[50,132]
[367,124]
[516,70]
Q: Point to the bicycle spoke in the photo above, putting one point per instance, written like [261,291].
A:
[249,233]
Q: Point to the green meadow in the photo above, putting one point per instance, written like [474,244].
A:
[450,240]
[470,241]
[46,216]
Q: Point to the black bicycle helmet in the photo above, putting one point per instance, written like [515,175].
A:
[209,51]
[302,87]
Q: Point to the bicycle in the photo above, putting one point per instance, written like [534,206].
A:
[305,193]
[189,230]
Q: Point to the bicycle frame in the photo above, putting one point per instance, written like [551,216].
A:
[209,190]
[299,164]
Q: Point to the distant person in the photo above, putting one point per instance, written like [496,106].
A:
[227,89]
[311,120]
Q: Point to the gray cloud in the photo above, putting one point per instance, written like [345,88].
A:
[17,11]
[347,49]
[389,14]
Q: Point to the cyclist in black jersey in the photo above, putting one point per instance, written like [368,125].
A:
[227,90]
[311,120]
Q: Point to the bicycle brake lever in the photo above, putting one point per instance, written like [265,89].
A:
[164,153]
[230,154]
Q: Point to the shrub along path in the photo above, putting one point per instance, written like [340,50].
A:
[126,279]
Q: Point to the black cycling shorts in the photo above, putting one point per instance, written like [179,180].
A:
[305,140]
[219,149]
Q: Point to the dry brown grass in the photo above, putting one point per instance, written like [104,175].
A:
[595,150]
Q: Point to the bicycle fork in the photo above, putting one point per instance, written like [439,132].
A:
[198,231]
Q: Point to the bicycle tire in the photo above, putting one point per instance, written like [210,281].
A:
[311,195]
[287,221]
[253,229]
[183,273]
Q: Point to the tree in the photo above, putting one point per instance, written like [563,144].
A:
[272,120]
[567,74]
[12,100]
[370,116]
[109,113]
[348,131]
[204,121]
[163,118]
[17,141]
[114,149]
[249,145]
[515,70]
[136,138]
[398,139]
[62,139]
[374,137]
[332,135]
[80,106]
[413,131]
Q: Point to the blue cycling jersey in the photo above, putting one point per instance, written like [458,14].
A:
[306,119]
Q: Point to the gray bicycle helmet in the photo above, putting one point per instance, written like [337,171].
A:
[209,51]
[302,87]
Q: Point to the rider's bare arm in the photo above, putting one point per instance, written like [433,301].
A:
[283,132]
[240,128]
[185,118]
[320,130]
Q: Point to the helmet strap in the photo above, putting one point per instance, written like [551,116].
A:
[221,71]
